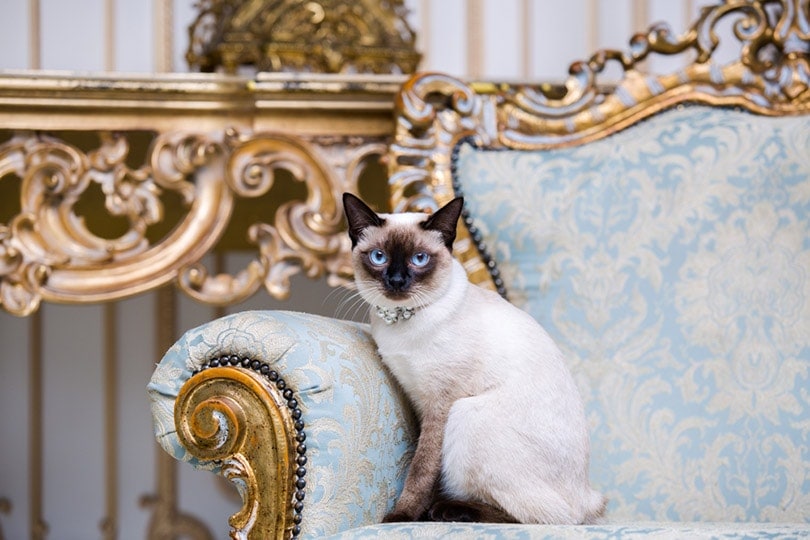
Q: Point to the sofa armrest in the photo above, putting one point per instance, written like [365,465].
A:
[233,417]
[297,410]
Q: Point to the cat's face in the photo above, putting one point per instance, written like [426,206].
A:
[401,259]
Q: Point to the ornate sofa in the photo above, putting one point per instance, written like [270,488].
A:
[659,228]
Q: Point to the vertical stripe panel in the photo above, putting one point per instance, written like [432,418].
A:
[37,523]
[163,36]
[165,469]
[525,39]
[688,9]
[109,35]
[109,525]
[34,35]
[640,17]
[475,38]
[639,21]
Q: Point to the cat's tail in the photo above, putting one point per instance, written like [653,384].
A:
[594,505]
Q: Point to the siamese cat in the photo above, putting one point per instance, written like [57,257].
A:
[503,435]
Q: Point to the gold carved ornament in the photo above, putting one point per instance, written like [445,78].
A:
[48,253]
[435,112]
[235,418]
[306,235]
[324,36]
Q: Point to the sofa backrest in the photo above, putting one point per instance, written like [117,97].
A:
[671,262]
[660,231]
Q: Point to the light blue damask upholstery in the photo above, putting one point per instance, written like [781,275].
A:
[360,434]
[623,531]
[671,262]
[359,431]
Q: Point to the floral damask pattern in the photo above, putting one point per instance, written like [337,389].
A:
[671,261]
[624,531]
[358,427]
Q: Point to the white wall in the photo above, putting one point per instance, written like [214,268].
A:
[74,36]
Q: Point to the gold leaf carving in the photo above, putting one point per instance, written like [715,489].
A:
[116,186]
[233,415]
[304,235]
[770,76]
[47,251]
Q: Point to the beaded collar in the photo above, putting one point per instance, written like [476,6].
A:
[395,314]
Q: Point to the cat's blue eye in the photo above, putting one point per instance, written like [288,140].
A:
[420,258]
[377,257]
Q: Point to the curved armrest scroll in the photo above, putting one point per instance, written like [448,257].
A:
[234,416]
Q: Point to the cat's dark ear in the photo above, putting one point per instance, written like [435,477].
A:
[359,216]
[445,220]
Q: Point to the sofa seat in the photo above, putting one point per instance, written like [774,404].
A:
[625,531]
[361,433]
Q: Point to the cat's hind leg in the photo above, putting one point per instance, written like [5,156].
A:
[480,463]
[535,503]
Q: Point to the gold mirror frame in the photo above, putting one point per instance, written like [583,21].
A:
[435,112]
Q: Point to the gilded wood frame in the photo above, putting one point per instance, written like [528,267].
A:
[434,112]
[216,139]
[233,416]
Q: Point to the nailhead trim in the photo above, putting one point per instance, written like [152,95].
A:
[469,222]
[264,370]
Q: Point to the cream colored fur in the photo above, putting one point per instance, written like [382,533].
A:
[510,420]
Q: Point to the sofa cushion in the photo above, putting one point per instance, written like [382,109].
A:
[671,262]
[625,531]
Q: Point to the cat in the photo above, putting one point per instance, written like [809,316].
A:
[503,435]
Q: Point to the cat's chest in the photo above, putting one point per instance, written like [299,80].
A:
[424,362]
[413,350]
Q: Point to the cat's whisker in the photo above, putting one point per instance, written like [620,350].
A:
[338,291]
[421,299]
[346,296]
[349,306]
[357,304]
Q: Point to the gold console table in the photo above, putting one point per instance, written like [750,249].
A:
[111,186]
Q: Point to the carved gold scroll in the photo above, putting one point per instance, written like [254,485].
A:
[770,76]
[233,416]
[212,141]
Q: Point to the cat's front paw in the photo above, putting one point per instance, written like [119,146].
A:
[397,517]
